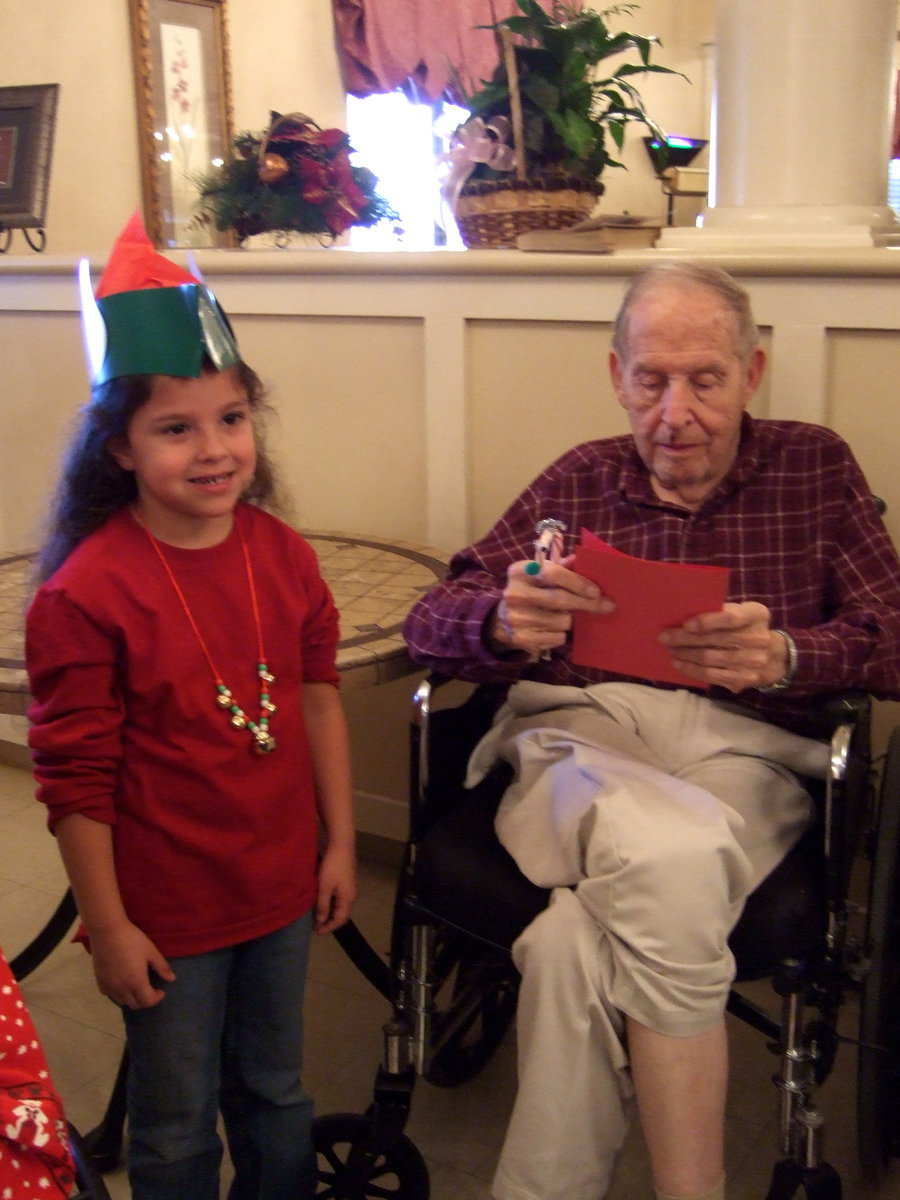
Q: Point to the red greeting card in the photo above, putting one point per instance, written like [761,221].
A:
[649,597]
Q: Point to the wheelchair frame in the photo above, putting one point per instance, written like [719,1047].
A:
[453,994]
[447,1046]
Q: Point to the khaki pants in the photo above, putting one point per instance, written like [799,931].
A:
[686,816]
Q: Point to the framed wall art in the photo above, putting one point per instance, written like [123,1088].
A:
[184,107]
[27,122]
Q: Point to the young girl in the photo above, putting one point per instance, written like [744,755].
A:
[186,731]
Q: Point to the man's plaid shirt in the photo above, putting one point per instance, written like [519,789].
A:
[794,520]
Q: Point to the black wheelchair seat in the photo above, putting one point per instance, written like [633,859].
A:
[465,877]
[460,863]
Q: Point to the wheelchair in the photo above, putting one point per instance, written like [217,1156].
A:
[462,901]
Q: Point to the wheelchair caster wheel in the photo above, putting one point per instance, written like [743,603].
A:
[352,1165]
[88,1176]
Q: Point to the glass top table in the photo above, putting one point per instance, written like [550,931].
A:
[374,583]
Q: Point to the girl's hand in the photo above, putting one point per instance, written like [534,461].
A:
[124,958]
[337,889]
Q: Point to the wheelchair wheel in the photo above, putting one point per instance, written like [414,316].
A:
[352,1166]
[483,988]
[878,1081]
[88,1178]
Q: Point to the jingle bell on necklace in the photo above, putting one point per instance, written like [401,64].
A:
[263,741]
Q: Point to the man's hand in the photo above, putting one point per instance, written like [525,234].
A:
[535,611]
[735,648]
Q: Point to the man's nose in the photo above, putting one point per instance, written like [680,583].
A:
[677,409]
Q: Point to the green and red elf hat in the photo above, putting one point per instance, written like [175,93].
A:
[150,316]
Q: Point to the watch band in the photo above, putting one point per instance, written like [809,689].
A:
[788,677]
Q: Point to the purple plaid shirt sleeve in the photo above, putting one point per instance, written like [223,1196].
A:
[794,521]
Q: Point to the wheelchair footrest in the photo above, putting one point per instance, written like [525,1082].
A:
[821,1182]
[391,1101]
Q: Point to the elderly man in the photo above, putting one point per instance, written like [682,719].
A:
[660,808]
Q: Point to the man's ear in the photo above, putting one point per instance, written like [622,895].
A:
[119,450]
[756,366]
[616,372]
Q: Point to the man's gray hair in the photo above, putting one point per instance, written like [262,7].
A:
[689,274]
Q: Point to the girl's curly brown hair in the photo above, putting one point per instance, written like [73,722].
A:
[92,485]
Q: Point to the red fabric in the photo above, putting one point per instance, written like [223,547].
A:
[134,264]
[35,1159]
[383,43]
[794,521]
[214,843]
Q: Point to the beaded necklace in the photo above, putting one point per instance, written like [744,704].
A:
[263,741]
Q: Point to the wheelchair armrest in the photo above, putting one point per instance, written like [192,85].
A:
[462,725]
[420,733]
[828,711]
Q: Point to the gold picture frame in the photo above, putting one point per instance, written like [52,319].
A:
[184,109]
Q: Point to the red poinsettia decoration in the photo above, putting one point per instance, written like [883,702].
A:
[295,177]
[331,186]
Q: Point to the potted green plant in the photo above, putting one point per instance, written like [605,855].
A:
[560,117]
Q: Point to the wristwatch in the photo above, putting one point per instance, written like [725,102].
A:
[788,677]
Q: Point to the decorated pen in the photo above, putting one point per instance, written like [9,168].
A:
[548,547]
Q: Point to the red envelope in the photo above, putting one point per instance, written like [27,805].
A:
[649,597]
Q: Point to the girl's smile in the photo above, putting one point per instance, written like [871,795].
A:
[211,483]
[192,450]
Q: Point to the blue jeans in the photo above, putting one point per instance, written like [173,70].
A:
[227,1036]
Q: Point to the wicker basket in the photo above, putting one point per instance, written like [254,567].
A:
[491,215]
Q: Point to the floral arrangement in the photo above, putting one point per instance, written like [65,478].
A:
[292,178]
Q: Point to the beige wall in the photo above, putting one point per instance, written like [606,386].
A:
[41,391]
[411,404]
[85,48]
[864,404]
[416,395]
[348,430]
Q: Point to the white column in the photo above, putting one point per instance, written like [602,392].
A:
[801,127]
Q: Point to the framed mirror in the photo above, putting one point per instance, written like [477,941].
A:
[184,108]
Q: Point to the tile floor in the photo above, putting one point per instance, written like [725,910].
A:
[458,1131]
